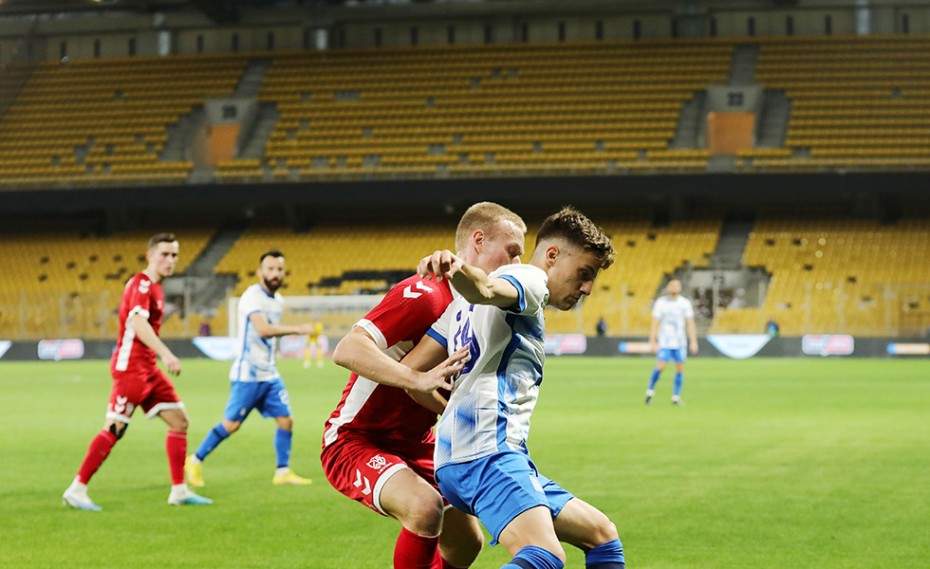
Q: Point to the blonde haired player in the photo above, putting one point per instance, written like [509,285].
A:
[378,443]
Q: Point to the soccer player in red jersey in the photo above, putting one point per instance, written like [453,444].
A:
[378,443]
[137,380]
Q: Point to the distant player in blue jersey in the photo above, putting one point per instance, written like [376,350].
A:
[482,462]
[254,379]
[673,327]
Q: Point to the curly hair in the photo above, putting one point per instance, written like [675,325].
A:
[573,226]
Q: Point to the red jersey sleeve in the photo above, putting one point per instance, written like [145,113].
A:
[407,311]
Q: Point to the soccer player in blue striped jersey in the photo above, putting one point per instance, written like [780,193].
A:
[672,333]
[482,462]
[254,379]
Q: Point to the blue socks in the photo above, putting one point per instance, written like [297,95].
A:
[210,442]
[532,557]
[282,447]
[655,378]
[607,555]
[282,444]
[679,379]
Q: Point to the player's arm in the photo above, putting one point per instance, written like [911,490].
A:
[359,353]
[147,336]
[429,354]
[266,329]
[471,282]
[653,332]
[692,335]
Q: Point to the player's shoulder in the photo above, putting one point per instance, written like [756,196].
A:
[256,292]
[525,274]
[416,287]
[141,281]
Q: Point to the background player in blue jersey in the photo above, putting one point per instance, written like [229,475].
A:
[254,380]
[482,462]
[673,332]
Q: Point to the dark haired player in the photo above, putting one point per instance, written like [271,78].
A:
[254,379]
[137,380]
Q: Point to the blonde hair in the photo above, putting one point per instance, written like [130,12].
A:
[485,216]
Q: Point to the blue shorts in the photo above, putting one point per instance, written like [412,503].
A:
[677,354]
[498,488]
[269,397]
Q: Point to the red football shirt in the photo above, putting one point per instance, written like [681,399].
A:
[378,412]
[145,297]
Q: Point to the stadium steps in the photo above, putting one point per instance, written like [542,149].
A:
[207,288]
[253,76]
[743,66]
[689,122]
[180,136]
[214,251]
[773,122]
[12,79]
[734,234]
[261,131]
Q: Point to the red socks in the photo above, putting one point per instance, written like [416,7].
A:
[416,552]
[176,447]
[99,449]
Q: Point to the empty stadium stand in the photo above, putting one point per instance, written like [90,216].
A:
[502,110]
[105,121]
[64,284]
[858,103]
[839,275]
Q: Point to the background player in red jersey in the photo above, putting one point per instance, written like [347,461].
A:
[378,443]
[137,380]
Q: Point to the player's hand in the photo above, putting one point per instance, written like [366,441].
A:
[441,264]
[173,364]
[694,349]
[443,375]
[305,329]
[653,348]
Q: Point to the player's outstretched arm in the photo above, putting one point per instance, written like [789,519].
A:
[359,353]
[147,336]
[266,329]
[471,282]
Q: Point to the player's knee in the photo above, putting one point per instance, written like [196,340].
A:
[118,430]
[604,531]
[286,423]
[231,426]
[180,424]
[424,514]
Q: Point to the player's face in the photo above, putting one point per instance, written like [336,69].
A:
[571,277]
[163,258]
[501,246]
[271,273]
[673,288]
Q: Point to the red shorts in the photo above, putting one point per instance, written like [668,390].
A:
[151,390]
[359,468]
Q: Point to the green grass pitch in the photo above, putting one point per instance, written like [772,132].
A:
[819,463]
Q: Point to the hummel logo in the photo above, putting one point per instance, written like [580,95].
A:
[408,290]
